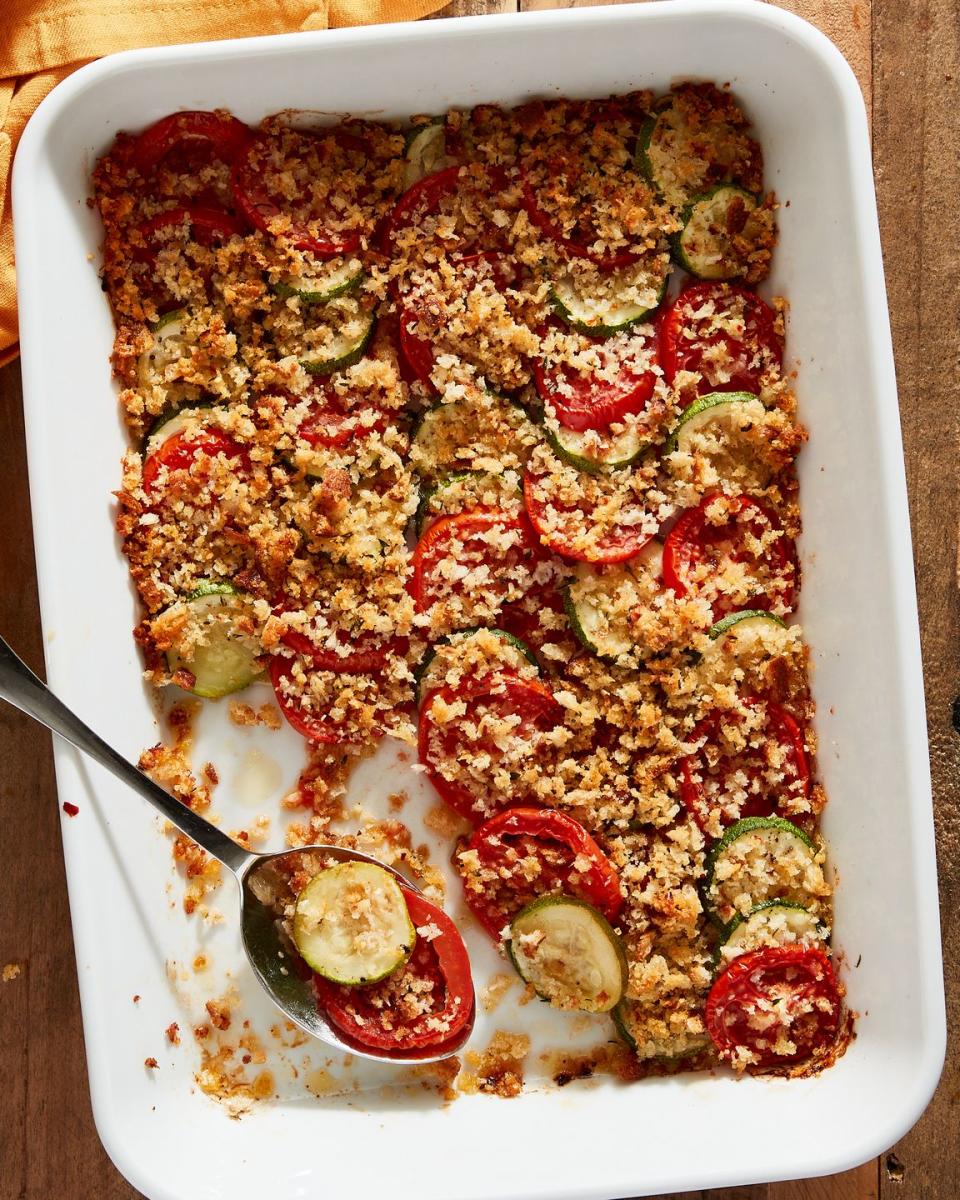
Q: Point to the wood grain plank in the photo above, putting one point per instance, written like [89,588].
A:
[917,152]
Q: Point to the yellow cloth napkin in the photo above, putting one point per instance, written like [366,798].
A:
[42,41]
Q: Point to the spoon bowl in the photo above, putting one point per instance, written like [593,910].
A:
[271,954]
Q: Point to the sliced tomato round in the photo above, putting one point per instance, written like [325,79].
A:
[526,853]
[190,139]
[719,322]
[304,225]
[524,618]
[721,785]
[417,351]
[573,247]
[697,550]
[418,201]
[777,1006]
[204,224]
[618,544]
[315,727]
[589,402]
[180,452]
[455,744]
[361,655]
[425,197]
[464,539]
[329,424]
[422,1005]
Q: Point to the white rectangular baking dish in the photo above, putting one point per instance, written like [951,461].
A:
[859,610]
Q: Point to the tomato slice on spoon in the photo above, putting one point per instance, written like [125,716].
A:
[422,1005]
[525,853]
[774,1007]
[722,530]
[719,323]
[721,783]
[583,401]
[500,729]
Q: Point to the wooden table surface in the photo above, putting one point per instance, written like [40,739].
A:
[907,56]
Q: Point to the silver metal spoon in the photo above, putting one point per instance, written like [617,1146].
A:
[268,952]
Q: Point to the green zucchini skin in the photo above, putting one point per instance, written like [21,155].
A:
[737,830]
[562,442]
[747,614]
[701,405]
[681,243]
[609,328]
[421,671]
[340,362]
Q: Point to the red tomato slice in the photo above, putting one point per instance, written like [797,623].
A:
[213,134]
[574,248]
[487,698]
[687,339]
[537,852]
[417,202]
[315,727]
[696,549]
[587,402]
[417,351]
[425,197]
[206,225]
[365,654]
[261,208]
[771,998]
[620,543]
[435,981]
[523,617]
[330,425]
[720,786]
[461,538]
[181,451]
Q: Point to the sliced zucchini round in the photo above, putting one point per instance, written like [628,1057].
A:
[773,923]
[169,424]
[569,954]
[324,282]
[760,859]
[599,601]
[746,620]
[351,924]
[724,408]
[703,246]
[513,654]
[343,351]
[595,451]
[471,434]
[226,656]
[601,304]
[440,498]
[669,1049]
[169,345]
[426,151]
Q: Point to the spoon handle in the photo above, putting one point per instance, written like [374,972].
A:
[21,688]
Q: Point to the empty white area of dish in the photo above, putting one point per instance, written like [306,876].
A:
[601,1140]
